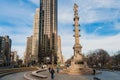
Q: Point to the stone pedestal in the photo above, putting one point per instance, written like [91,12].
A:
[79,68]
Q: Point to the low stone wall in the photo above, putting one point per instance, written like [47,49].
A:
[35,74]
[4,72]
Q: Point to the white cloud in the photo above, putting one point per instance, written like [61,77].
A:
[90,11]
[90,42]
[65,16]
[98,28]
[109,43]
[117,25]
[37,2]
[108,3]
[20,50]
[67,42]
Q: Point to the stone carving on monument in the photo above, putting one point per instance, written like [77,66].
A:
[78,65]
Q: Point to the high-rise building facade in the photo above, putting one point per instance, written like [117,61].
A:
[5,50]
[14,56]
[35,38]
[48,31]
[59,53]
[2,51]
[28,52]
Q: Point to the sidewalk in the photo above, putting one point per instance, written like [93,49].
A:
[104,76]
[64,76]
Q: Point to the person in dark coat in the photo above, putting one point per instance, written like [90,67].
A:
[52,73]
[94,71]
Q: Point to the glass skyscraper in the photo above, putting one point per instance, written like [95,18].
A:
[47,52]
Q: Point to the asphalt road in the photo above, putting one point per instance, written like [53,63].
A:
[106,75]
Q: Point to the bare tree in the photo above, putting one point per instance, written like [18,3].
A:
[98,58]
[116,59]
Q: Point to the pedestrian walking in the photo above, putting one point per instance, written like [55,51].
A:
[52,73]
[57,70]
[94,71]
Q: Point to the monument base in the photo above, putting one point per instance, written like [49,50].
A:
[79,69]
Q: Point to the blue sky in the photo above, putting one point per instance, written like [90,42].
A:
[99,20]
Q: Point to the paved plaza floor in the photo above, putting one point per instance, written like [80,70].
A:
[106,75]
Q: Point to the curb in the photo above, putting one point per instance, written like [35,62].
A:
[26,77]
[34,73]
